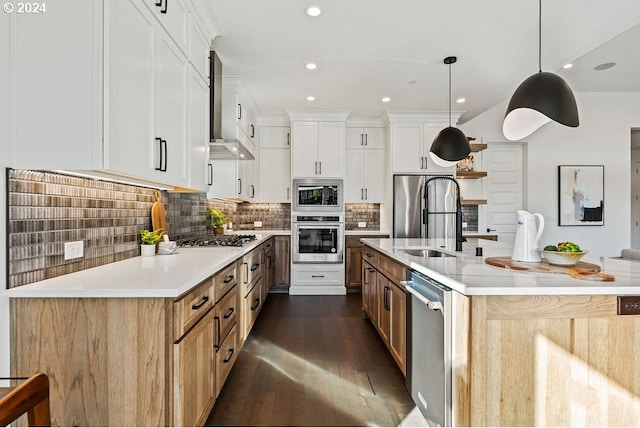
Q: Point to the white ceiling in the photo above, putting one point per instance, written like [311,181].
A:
[367,49]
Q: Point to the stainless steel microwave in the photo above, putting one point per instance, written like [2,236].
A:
[319,195]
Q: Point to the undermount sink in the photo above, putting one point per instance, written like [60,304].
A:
[427,253]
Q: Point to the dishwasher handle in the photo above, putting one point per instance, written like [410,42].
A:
[433,305]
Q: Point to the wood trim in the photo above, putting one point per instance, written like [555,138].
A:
[473,201]
[557,307]
[471,174]
[477,147]
[478,389]
[460,359]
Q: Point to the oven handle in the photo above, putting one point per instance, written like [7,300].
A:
[433,305]
[318,225]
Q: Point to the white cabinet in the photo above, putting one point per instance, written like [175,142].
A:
[247,179]
[318,149]
[200,49]
[275,164]
[116,95]
[199,175]
[233,179]
[365,158]
[235,121]
[372,138]
[365,176]
[410,144]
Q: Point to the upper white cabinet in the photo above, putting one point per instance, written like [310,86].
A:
[365,175]
[199,173]
[372,138]
[116,97]
[237,119]
[275,164]
[318,149]
[200,49]
[410,142]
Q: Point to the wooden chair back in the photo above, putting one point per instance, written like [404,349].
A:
[30,397]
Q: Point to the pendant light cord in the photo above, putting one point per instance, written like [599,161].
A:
[449,95]
[539,36]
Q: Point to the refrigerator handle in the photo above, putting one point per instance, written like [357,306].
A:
[423,211]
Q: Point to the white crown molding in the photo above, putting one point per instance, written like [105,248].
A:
[304,114]
[420,116]
[273,120]
[365,122]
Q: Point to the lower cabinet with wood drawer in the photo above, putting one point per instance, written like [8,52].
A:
[383,300]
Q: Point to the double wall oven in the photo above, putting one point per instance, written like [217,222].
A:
[317,221]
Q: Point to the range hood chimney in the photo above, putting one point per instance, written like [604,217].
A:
[219,146]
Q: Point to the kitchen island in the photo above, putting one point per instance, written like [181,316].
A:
[533,349]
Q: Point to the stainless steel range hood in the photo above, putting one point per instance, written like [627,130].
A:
[219,146]
[229,149]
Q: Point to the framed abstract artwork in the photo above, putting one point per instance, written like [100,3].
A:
[581,195]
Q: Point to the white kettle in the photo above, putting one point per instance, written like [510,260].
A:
[525,246]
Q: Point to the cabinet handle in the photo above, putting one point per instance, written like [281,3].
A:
[287,193]
[269,262]
[316,165]
[226,360]
[371,270]
[164,10]
[239,111]
[239,186]
[253,191]
[163,143]
[217,345]
[204,300]
[288,139]
[366,194]
[320,169]
[246,272]
[210,175]
[228,314]
[159,140]
[255,266]
[362,139]
[361,193]
[257,303]
[317,276]
[490,230]
[228,279]
[368,254]
[386,298]
[366,139]
[253,131]
[159,3]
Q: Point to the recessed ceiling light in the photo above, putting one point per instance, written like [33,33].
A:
[567,66]
[313,11]
[311,98]
[605,66]
[413,82]
[235,149]
[461,100]
[311,66]
[241,155]
[386,99]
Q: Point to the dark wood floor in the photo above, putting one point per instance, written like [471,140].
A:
[314,361]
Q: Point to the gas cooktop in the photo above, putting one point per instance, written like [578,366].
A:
[216,240]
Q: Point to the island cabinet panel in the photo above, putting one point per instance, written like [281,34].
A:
[106,365]
[552,361]
[283,262]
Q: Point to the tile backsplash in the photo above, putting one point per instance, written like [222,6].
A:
[47,209]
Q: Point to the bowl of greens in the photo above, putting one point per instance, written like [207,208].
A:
[564,254]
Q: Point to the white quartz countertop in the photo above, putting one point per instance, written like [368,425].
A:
[470,275]
[158,276]
[365,232]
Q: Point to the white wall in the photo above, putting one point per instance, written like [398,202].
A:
[4,150]
[603,138]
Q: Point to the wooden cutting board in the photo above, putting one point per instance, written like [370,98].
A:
[158,215]
[581,270]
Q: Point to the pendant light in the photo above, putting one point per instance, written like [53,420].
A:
[450,145]
[539,99]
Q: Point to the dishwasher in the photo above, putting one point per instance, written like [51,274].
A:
[429,347]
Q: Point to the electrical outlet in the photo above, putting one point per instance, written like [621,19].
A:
[628,305]
[257,224]
[464,224]
[73,250]
[362,224]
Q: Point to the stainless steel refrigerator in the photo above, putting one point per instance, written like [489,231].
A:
[426,206]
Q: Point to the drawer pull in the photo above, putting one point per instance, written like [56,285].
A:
[246,272]
[371,269]
[317,276]
[226,360]
[257,303]
[369,255]
[255,266]
[228,314]
[204,300]
[217,345]
[228,279]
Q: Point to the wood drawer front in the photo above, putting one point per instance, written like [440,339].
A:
[226,315]
[251,269]
[267,246]
[225,280]
[392,269]
[190,308]
[370,256]
[252,305]
[226,357]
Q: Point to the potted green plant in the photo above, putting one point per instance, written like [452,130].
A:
[218,220]
[148,241]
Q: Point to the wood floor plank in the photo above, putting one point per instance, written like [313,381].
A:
[314,361]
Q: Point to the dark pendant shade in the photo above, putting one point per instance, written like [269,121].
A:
[451,145]
[540,98]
